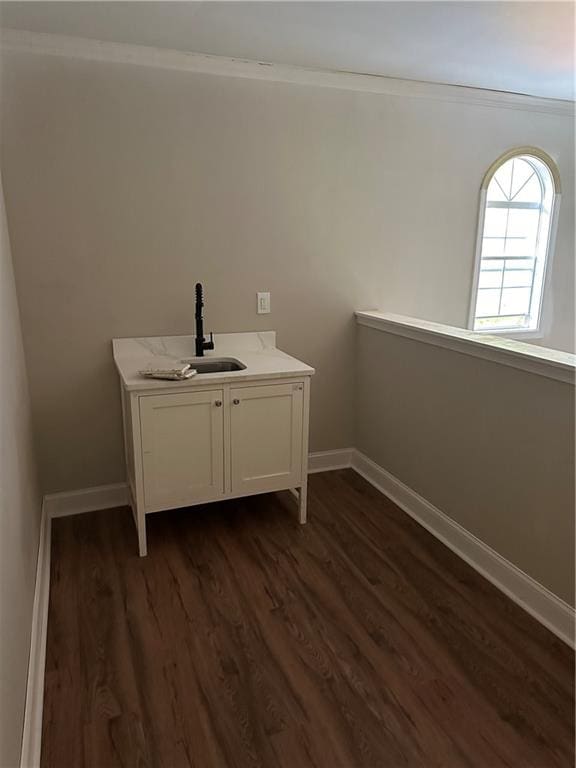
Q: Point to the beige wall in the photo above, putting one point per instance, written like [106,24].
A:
[489,445]
[125,185]
[19,513]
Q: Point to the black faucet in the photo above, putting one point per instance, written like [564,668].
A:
[201,343]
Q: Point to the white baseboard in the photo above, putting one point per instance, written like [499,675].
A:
[32,731]
[116,495]
[534,598]
[325,461]
[86,500]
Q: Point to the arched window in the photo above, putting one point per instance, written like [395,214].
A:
[518,207]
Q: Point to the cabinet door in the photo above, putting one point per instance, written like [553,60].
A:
[266,437]
[182,448]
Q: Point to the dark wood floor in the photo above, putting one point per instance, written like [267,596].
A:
[244,639]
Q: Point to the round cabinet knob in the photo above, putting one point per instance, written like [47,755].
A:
[236,401]
[218,403]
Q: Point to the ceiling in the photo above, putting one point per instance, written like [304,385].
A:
[522,47]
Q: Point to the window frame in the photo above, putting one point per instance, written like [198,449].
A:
[543,315]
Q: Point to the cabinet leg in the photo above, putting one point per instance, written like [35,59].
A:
[302,503]
[140,523]
[142,545]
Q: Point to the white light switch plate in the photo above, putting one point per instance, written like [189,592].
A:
[263,305]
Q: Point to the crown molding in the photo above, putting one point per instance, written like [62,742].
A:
[20,41]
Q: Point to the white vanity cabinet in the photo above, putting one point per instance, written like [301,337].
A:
[210,443]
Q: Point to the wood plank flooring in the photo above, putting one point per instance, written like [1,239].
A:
[244,639]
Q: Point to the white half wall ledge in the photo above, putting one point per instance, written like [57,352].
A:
[550,363]
[21,41]
[533,597]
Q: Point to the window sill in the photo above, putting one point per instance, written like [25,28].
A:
[518,333]
[551,363]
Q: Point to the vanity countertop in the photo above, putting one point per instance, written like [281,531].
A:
[257,351]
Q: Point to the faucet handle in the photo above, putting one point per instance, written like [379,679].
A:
[209,344]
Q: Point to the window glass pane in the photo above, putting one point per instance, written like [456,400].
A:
[491,277]
[493,246]
[522,231]
[494,193]
[503,178]
[531,192]
[521,174]
[515,301]
[488,301]
[518,278]
[495,222]
[518,246]
[520,264]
